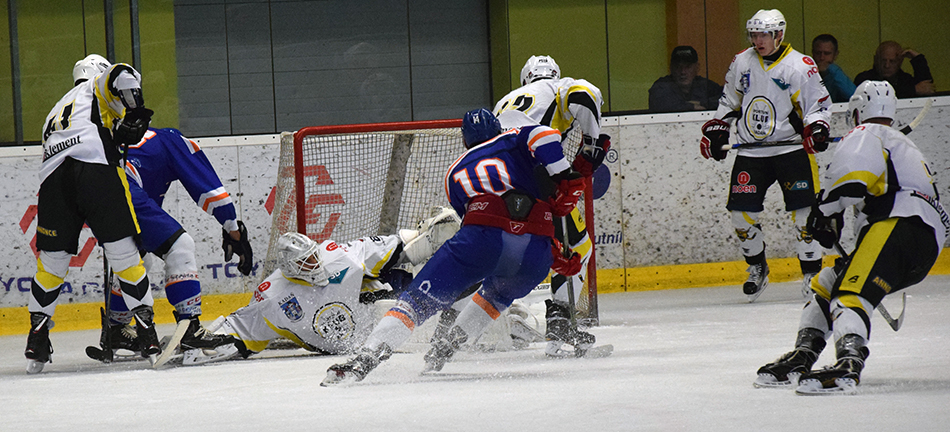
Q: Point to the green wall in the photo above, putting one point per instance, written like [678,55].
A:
[54,34]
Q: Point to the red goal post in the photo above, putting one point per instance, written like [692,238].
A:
[373,179]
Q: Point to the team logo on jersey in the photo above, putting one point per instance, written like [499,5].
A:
[338,276]
[291,308]
[334,322]
[760,118]
[744,81]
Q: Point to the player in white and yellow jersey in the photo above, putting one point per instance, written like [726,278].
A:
[560,103]
[82,181]
[901,228]
[777,95]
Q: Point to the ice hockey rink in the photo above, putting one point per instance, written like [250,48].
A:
[684,361]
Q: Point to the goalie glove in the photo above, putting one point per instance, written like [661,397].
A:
[132,127]
[826,230]
[715,135]
[241,248]
[570,187]
[567,266]
[815,137]
[591,154]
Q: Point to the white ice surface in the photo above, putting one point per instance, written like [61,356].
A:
[684,361]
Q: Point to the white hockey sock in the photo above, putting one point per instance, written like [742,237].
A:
[391,331]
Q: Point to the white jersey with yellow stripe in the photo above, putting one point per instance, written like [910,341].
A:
[328,319]
[884,175]
[770,96]
[558,104]
[77,126]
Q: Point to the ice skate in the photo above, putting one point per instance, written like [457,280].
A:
[757,282]
[199,346]
[522,333]
[355,369]
[146,336]
[841,378]
[38,346]
[559,332]
[443,349]
[786,370]
[116,342]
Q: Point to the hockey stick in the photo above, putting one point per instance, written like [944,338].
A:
[894,323]
[920,117]
[904,130]
[570,279]
[107,289]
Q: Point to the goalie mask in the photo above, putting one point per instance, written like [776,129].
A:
[478,126]
[539,68]
[872,99]
[767,21]
[87,68]
[297,258]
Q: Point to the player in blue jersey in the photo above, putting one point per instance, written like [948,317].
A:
[506,241]
[160,158]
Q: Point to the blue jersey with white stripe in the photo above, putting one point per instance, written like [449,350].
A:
[503,163]
[164,156]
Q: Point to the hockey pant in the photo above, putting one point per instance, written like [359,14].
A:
[752,240]
[580,242]
[510,266]
[891,255]
[123,257]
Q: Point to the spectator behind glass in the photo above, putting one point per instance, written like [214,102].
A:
[887,67]
[824,49]
[682,90]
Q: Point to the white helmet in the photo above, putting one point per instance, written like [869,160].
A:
[89,67]
[297,258]
[767,21]
[538,68]
[872,99]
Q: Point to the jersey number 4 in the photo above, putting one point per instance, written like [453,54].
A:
[491,176]
[60,123]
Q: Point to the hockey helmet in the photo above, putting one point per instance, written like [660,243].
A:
[767,21]
[539,68]
[872,99]
[297,258]
[89,67]
[478,126]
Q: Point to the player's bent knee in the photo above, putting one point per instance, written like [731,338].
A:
[180,259]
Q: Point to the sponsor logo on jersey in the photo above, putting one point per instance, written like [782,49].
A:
[338,276]
[796,186]
[808,61]
[781,83]
[291,308]
[944,218]
[332,246]
[760,118]
[334,322]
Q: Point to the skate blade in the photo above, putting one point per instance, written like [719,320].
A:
[335,378]
[813,387]
[753,297]
[194,357]
[597,351]
[34,367]
[768,381]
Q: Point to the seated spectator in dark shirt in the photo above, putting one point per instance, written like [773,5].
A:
[682,90]
[824,49]
[887,67]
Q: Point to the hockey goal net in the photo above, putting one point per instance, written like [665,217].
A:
[372,179]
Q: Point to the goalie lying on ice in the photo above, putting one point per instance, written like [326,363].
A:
[321,296]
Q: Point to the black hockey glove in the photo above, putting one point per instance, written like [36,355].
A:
[826,230]
[591,154]
[715,135]
[241,248]
[132,127]
[815,137]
